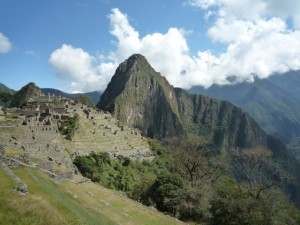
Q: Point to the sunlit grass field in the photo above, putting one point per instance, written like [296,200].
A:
[69,203]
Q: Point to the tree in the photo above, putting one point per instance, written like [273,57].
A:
[6,98]
[194,161]
[232,205]
[165,192]
[141,189]
[68,126]
[257,167]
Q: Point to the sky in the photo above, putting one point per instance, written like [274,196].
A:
[76,45]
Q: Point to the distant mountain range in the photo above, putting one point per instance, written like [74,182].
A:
[5,89]
[274,103]
[94,95]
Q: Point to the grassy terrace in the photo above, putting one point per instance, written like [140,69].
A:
[69,203]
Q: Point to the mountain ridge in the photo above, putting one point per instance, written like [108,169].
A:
[274,103]
[93,95]
[5,89]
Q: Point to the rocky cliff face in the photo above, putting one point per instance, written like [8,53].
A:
[141,97]
[225,124]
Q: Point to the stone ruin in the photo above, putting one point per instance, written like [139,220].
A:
[33,132]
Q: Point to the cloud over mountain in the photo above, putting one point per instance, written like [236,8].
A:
[77,66]
[257,40]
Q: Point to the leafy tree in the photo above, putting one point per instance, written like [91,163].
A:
[6,98]
[194,161]
[257,167]
[141,188]
[255,200]
[165,192]
[194,203]
[232,205]
[68,126]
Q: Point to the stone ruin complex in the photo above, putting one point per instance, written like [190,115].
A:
[30,136]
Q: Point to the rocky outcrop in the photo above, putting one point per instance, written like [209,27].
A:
[26,94]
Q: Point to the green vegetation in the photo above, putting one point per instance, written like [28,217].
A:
[193,184]
[5,89]
[25,209]
[232,204]
[6,98]
[67,203]
[68,125]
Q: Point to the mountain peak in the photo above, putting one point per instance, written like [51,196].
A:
[137,56]
[134,63]
[140,96]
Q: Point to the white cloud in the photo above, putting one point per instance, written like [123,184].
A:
[256,47]
[259,41]
[166,52]
[252,9]
[77,66]
[5,45]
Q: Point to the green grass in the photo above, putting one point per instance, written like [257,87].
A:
[40,184]
[69,203]
[24,209]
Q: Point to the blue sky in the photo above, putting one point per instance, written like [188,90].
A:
[77,45]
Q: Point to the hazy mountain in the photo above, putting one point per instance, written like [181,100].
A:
[289,81]
[5,89]
[94,95]
[274,103]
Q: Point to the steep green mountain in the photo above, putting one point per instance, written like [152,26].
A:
[139,96]
[26,94]
[274,103]
[94,95]
[5,89]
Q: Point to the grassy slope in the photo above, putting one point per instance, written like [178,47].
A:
[69,203]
